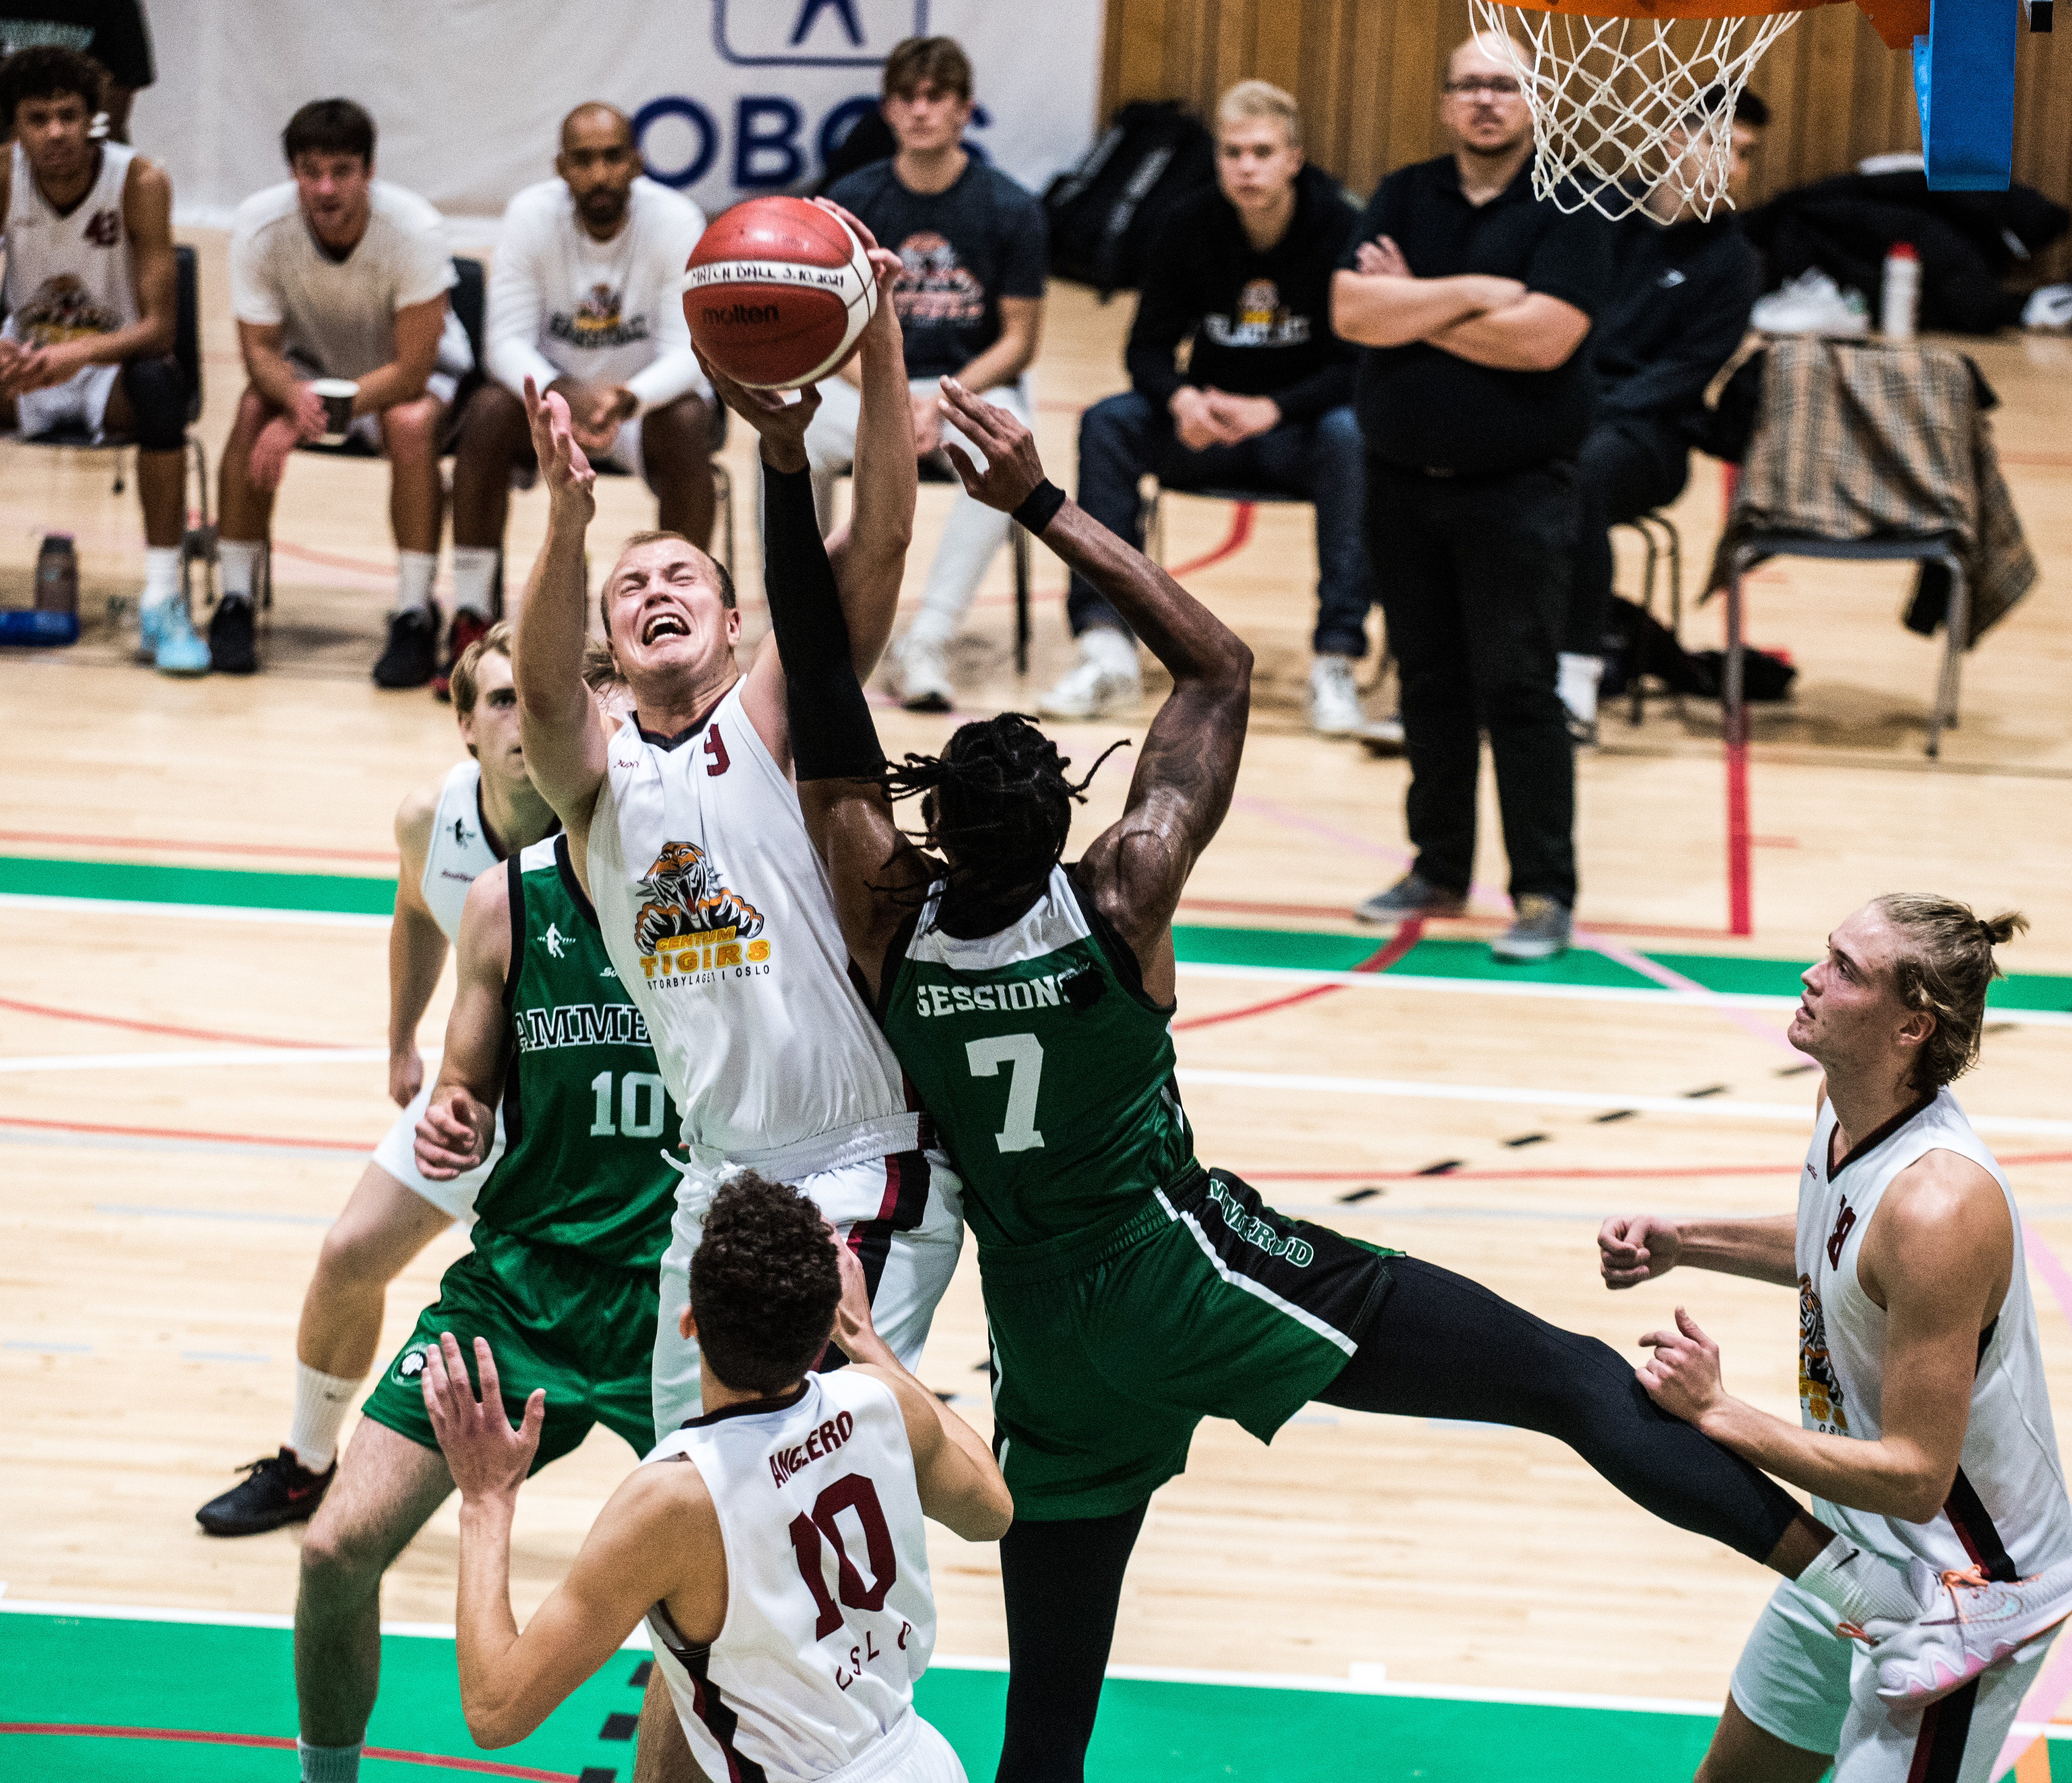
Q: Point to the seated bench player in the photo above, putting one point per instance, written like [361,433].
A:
[336,274]
[583,300]
[90,295]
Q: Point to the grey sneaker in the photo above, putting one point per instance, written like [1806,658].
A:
[1334,702]
[923,675]
[1411,896]
[1539,930]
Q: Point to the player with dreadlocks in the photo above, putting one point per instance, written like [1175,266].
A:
[1130,1292]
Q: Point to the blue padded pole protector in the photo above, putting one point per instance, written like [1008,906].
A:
[1963,83]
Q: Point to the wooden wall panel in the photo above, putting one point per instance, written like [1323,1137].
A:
[1367,75]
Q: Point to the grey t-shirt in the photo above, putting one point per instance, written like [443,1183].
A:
[964,248]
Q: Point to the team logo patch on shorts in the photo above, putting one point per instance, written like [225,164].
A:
[411,1364]
[1248,1227]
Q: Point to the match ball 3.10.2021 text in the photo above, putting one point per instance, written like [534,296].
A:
[778,293]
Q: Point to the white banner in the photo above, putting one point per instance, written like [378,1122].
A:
[731,98]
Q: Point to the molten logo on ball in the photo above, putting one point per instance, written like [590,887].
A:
[765,249]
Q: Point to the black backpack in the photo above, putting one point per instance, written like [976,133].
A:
[1103,211]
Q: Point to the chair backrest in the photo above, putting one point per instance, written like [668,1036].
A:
[469,301]
[187,325]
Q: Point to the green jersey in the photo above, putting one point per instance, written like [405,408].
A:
[1048,1072]
[587,1121]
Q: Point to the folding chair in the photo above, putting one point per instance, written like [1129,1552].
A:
[198,538]
[1664,547]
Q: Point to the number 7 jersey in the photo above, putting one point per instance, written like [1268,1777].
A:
[1047,1070]
[829,1617]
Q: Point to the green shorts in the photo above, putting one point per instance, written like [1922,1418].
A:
[583,1331]
[1109,1346]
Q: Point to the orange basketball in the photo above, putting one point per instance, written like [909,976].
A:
[777,293]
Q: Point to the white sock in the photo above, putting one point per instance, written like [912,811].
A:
[322,1402]
[474,578]
[161,575]
[1858,1585]
[329,1763]
[1578,684]
[414,570]
[239,560]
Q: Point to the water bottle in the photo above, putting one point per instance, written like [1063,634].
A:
[57,575]
[1900,301]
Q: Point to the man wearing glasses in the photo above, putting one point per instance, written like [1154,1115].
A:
[1473,301]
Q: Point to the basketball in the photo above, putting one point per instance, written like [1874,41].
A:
[777,293]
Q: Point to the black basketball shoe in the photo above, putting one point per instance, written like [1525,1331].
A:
[231,647]
[276,1489]
[413,652]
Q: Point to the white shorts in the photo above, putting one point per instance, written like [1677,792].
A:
[397,1154]
[911,1751]
[908,1271]
[81,402]
[1811,1688]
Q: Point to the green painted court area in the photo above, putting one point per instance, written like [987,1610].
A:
[1290,949]
[84,1678]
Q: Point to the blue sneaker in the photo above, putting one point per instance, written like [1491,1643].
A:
[177,650]
[148,620]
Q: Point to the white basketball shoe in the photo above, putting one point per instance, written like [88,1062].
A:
[1969,1624]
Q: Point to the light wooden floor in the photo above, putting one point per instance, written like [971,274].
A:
[151,1283]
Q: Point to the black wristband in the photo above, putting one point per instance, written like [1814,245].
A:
[1042,507]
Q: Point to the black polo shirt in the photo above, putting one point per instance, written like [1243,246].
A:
[1426,409]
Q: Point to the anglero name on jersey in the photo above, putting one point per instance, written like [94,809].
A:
[580,1024]
[960,999]
[818,1446]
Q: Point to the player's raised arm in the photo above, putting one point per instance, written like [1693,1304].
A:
[1188,768]
[460,1120]
[657,1532]
[565,750]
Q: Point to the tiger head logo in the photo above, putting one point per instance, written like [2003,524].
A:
[1258,303]
[683,894]
[1818,1391]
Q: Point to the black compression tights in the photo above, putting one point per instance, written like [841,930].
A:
[1441,1347]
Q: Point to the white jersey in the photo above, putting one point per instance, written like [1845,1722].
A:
[68,275]
[459,851]
[562,304]
[829,1618]
[338,317]
[720,918]
[2007,1507]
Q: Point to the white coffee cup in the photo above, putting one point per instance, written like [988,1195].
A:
[338,394]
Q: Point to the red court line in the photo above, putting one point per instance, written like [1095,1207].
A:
[179,1133]
[1381,961]
[1235,540]
[482,1767]
[154,1028]
[1691,1171]
[187,846]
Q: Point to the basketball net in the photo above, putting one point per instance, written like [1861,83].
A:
[1621,107]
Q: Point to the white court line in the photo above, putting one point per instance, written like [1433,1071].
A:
[1797,1113]
[1156,1674]
[199,912]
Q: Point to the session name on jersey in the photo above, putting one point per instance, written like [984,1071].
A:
[818,1446]
[580,1024]
[961,999]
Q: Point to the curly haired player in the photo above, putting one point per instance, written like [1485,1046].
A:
[1129,1291]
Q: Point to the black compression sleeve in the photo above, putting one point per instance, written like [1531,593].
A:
[833,735]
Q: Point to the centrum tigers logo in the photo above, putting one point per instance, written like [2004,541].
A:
[1818,1391]
[691,922]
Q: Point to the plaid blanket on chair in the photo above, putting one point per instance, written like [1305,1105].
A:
[1863,439]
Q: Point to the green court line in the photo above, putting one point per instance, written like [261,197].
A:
[1196,944]
[107,1673]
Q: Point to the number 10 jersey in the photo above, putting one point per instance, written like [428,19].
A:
[829,1617]
[1048,1071]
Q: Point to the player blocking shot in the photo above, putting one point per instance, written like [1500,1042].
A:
[1925,1432]
[447,832]
[560,1277]
[773,1545]
[1130,1292]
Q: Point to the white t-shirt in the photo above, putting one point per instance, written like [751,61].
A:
[339,315]
[562,304]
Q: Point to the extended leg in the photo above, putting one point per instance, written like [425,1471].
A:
[385,1225]
[1063,1582]
[1742,1752]
[387,1487]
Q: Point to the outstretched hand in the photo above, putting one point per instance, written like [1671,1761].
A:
[885,265]
[1012,470]
[781,424]
[486,1456]
[1682,1375]
[571,483]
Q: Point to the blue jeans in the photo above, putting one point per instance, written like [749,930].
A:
[1320,461]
